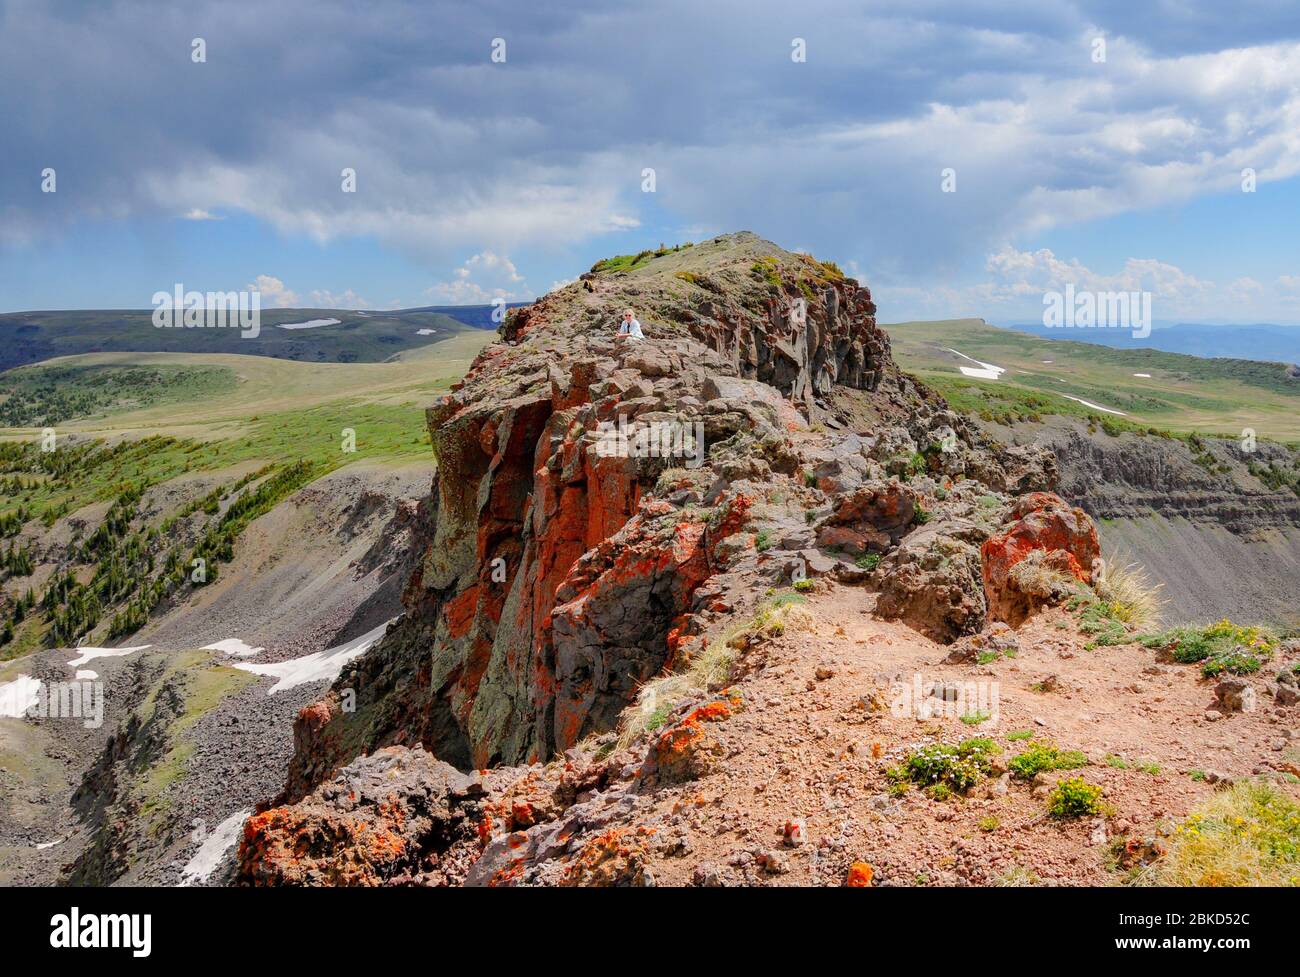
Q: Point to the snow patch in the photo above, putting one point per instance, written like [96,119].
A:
[425,332]
[309,324]
[18,696]
[85,675]
[318,666]
[1088,403]
[234,646]
[1145,376]
[90,654]
[213,849]
[981,370]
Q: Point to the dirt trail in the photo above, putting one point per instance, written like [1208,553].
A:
[802,747]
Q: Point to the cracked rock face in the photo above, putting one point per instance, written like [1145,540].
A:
[550,584]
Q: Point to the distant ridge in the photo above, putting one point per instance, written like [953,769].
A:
[1260,341]
[309,335]
[476,316]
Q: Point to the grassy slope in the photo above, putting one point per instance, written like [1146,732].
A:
[1184,393]
[276,410]
[29,337]
[42,395]
[274,413]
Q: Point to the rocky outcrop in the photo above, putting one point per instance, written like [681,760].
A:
[603,511]
[601,503]
[552,581]
[870,519]
[1045,537]
[932,582]
[399,817]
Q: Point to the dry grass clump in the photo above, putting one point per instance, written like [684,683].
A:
[1132,598]
[1247,835]
[1034,576]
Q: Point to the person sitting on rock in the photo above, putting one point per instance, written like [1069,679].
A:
[629,326]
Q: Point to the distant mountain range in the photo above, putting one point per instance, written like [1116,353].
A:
[478,316]
[1263,341]
[312,335]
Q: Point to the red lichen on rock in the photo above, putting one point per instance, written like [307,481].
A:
[860,876]
[615,858]
[686,750]
[1038,523]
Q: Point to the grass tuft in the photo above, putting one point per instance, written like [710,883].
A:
[1247,835]
[1129,594]
[711,669]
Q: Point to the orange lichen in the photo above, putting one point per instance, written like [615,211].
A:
[860,875]
[522,815]
[614,858]
[712,712]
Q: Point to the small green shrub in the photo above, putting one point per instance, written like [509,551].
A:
[868,561]
[1074,798]
[1102,621]
[1040,757]
[1236,662]
[1222,646]
[960,767]
[939,792]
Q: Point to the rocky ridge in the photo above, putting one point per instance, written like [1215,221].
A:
[605,509]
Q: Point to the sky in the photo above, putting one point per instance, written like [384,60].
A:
[959,158]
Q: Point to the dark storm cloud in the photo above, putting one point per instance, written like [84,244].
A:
[843,153]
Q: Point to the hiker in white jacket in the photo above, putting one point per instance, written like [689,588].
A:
[629,326]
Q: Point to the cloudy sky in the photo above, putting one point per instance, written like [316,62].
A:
[478,178]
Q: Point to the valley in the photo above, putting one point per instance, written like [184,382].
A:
[1191,467]
[290,482]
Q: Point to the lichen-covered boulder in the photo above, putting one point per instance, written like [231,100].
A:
[871,519]
[1062,542]
[386,819]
